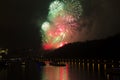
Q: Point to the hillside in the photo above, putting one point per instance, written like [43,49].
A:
[104,48]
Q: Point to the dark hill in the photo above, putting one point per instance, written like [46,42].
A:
[104,48]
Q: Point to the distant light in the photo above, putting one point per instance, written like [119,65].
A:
[0,57]
[2,50]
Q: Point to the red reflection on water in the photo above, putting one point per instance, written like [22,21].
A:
[67,71]
[61,73]
[64,73]
[55,73]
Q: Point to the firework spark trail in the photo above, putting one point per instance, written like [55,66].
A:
[62,23]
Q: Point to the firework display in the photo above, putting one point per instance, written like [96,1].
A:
[62,25]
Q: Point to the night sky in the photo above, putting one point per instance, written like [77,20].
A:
[19,21]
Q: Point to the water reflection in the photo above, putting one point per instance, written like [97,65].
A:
[93,67]
[72,71]
[55,73]
[88,67]
[105,67]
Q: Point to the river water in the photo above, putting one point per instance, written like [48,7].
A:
[72,71]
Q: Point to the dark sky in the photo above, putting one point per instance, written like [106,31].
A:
[18,20]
